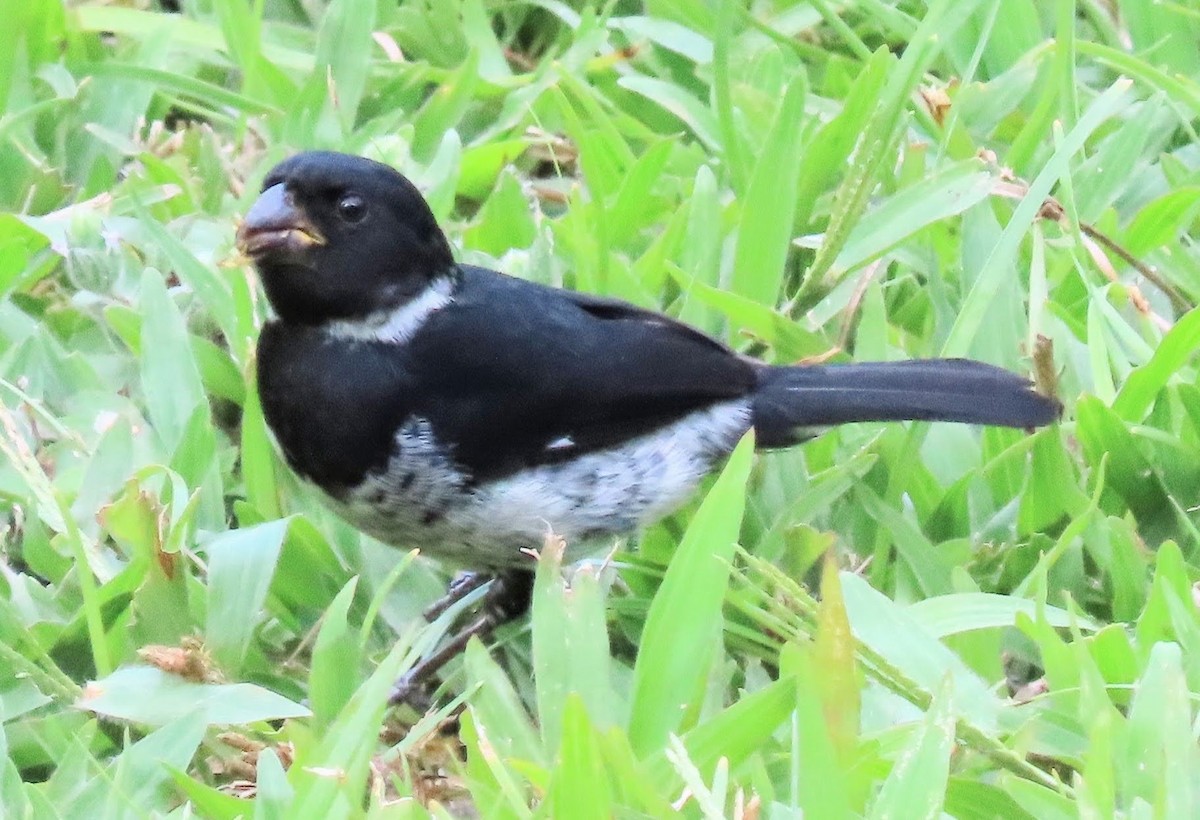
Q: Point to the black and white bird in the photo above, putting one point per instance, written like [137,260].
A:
[466,412]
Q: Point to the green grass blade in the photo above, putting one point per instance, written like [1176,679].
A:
[685,616]
[241,564]
[917,784]
[999,262]
[769,209]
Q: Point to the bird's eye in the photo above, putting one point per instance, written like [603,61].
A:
[352,208]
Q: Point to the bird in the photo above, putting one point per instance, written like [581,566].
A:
[462,411]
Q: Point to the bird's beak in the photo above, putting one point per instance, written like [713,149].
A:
[275,224]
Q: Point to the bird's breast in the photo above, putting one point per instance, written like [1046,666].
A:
[333,406]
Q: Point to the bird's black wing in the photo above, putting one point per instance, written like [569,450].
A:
[517,374]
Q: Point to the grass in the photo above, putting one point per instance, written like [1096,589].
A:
[1006,624]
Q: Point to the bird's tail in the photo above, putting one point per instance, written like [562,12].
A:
[790,399]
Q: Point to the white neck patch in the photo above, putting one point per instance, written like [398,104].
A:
[399,324]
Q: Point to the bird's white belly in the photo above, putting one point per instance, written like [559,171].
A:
[423,500]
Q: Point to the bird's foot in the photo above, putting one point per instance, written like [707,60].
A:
[460,587]
[507,599]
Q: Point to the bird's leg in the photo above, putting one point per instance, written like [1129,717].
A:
[463,585]
[509,598]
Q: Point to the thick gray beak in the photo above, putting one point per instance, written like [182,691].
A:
[275,224]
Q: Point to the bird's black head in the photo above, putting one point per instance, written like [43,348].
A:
[337,237]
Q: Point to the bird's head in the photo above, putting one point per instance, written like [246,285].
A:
[339,237]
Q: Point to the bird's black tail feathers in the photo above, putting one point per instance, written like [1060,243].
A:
[789,399]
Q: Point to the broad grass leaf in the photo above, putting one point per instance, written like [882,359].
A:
[819,777]
[139,775]
[889,630]
[570,647]
[274,794]
[685,616]
[833,649]
[241,564]
[504,221]
[498,708]
[336,658]
[742,729]
[1130,473]
[691,111]
[971,799]
[668,34]
[945,194]
[1145,384]
[343,55]
[973,315]
[916,786]
[12,789]
[769,206]
[145,694]
[953,614]
[580,787]
[1159,760]
[326,775]
[170,377]
[208,800]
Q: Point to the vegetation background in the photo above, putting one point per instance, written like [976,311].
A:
[1014,629]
